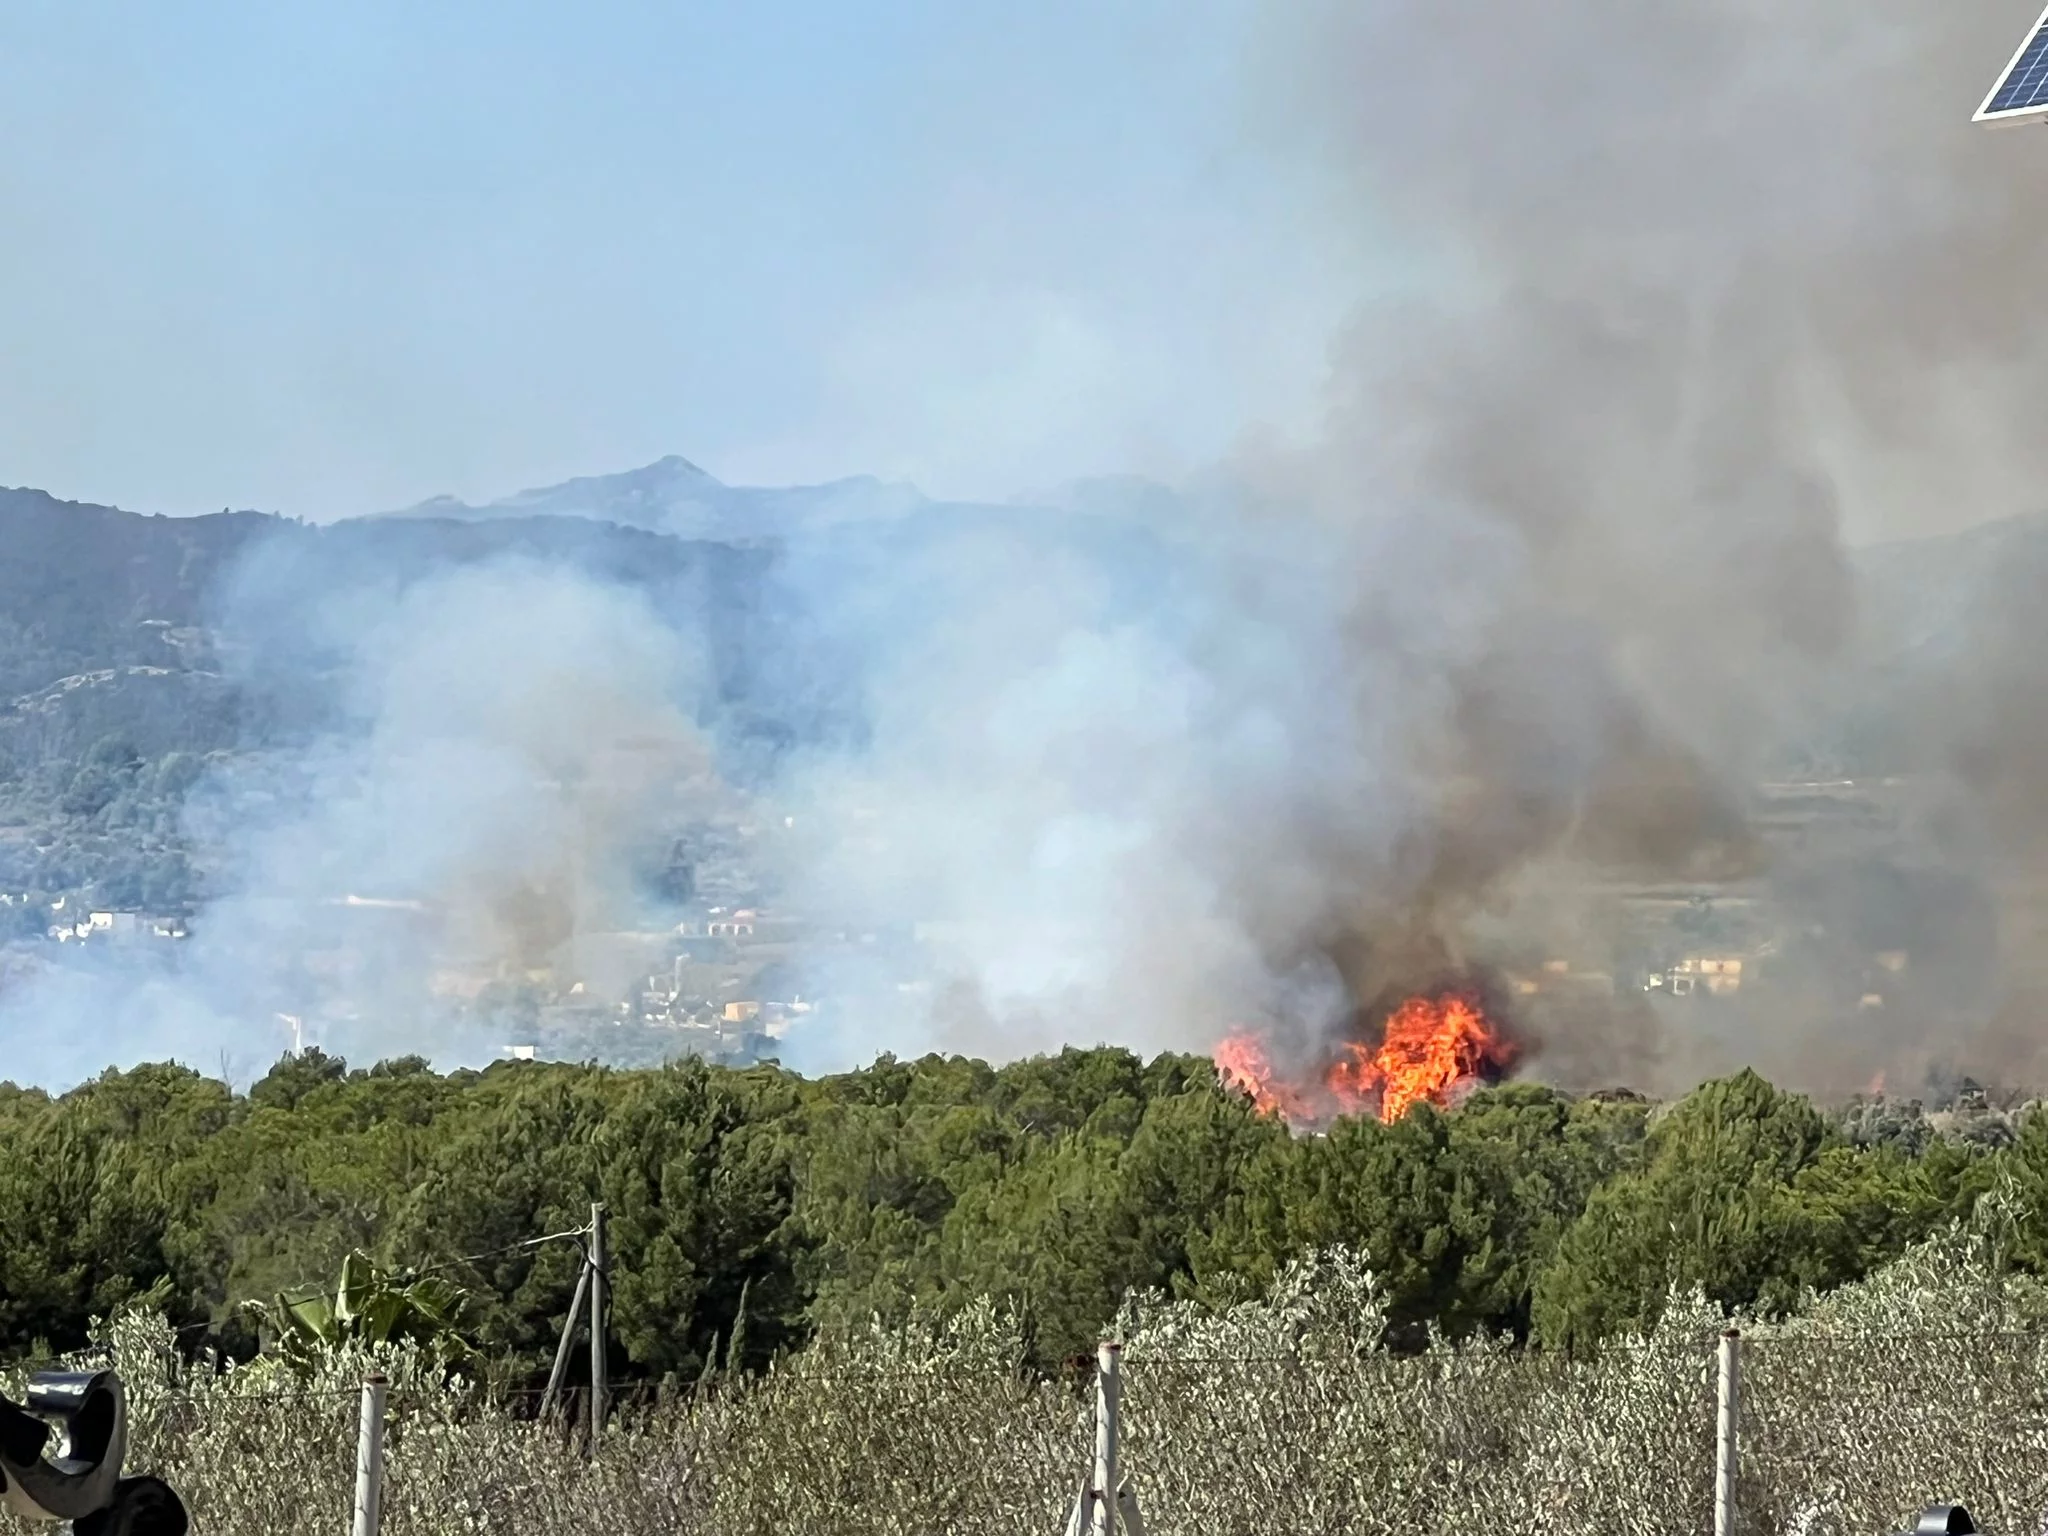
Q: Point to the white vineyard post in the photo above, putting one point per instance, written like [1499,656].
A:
[370,1460]
[1727,1410]
[1108,1393]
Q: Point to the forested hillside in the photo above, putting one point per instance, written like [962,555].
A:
[1054,1184]
[134,650]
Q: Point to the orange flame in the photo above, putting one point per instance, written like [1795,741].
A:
[1243,1064]
[1430,1048]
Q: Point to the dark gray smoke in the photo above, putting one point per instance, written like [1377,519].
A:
[1700,286]
[1685,297]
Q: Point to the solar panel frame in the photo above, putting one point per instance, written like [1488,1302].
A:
[2021,92]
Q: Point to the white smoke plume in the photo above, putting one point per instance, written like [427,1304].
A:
[505,736]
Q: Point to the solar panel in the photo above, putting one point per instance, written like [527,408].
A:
[2021,95]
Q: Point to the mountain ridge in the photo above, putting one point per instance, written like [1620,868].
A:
[677,497]
[88,589]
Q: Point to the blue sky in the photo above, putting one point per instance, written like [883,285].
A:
[327,259]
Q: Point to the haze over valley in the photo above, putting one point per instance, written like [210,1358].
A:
[643,765]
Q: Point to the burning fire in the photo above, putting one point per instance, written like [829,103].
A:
[1436,1048]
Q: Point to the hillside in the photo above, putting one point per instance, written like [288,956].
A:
[133,647]
[113,621]
[675,497]
[84,588]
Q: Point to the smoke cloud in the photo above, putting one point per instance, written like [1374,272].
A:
[1692,294]
[1712,290]
[1686,301]
[482,754]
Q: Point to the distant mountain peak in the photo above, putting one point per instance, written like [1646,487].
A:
[675,496]
[676,464]
[673,470]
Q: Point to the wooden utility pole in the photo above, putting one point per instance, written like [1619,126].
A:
[599,1384]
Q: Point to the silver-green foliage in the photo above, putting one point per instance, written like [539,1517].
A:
[1928,1380]
[1285,1414]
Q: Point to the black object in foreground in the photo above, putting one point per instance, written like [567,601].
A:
[1943,1520]
[79,1477]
